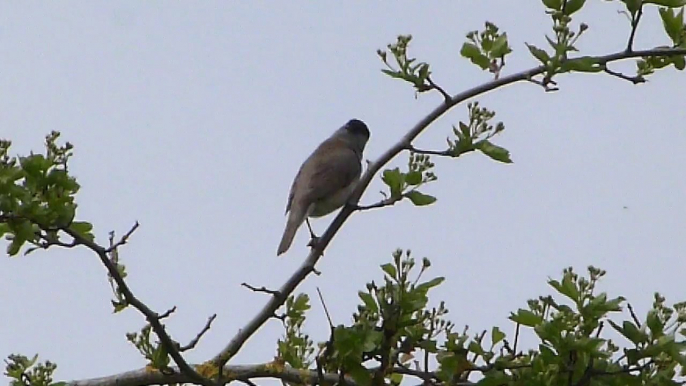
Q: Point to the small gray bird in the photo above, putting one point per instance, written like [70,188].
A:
[326,178]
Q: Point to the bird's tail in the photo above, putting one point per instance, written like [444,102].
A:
[296,216]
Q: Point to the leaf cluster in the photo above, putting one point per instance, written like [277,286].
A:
[395,334]
[37,196]
[29,372]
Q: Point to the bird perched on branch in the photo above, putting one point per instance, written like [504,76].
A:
[326,179]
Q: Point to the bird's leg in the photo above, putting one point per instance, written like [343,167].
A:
[314,239]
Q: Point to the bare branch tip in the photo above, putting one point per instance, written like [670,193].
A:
[191,345]
[167,313]
[633,79]
[261,289]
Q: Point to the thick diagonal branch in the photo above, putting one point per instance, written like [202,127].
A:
[308,265]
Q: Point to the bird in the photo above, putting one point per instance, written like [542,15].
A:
[326,179]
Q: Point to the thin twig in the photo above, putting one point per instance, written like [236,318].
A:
[514,350]
[426,376]
[625,370]
[600,328]
[431,331]
[441,153]
[633,79]
[500,366]
[124,239]
[545,83]
[634,27]
[167,313]
[438,88]
[248,382]
[326,310]
[383,203]
[261,289]
[191,345]
[588,374]
[307,266]
[633,315]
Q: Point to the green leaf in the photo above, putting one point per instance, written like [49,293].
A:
[396,378]
[496,335]
[526,318]
[500,47]
[430,284]
[473,53]
[582,64]
[420,199]
[360,375]
[413,178]
[160,358]
[394,179]
[538,53]
[16,244]
[475,348]
[615,304]
[35,164]
[667,3]
[569,288]
[631,332]
[301,303]
[389,269]
[368,301]
[394,74]
[119,306]
[672,23]
[495,152]
[632,5]
[4,228]
[679,62]
[81,227]
[553,4]
[573,6]
[464,130]
[655,324]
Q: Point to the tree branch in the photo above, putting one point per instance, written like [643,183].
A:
[124,239]
[308,265]
[633,79]
[145,377]
[633,315]
[152,317]
[438,88]
[634,26]
[387,202]
[191,345]
[440,153]
[260,289]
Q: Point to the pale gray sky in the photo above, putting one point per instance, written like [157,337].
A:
[193,118]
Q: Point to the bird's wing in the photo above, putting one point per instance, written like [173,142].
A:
[335,167]
[331,167]
[295,180]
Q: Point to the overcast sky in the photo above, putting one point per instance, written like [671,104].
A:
[193,118]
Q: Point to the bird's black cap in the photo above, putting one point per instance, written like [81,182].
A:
[357,127]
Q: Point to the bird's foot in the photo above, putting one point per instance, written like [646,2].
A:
[314,241]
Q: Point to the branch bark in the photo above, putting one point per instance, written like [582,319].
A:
[145,377]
